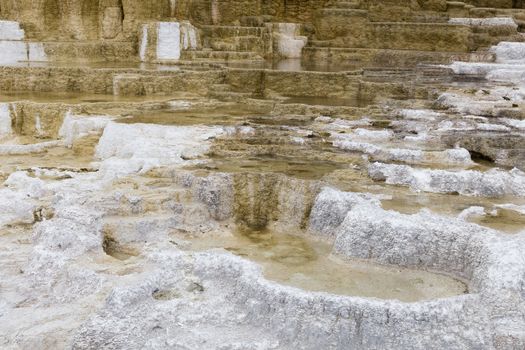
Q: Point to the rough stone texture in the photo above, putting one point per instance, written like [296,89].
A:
[119,166]
[332,206]
[493,183]
[476,256]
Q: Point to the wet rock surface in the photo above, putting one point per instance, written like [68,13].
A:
[262,175]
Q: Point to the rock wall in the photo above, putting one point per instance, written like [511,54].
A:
[497,3]
[239,11]
[293,10]
[114,29]
[120,19]
[82,19]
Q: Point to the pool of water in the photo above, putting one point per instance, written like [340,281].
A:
[132,65]
[329,101]
[404,200]
[290,166]
[78,158]
[301,262]
[295,65]
[73,97]
[221,114]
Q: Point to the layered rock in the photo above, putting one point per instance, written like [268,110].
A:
[167,184]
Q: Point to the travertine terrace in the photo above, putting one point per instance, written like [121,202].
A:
[262,174]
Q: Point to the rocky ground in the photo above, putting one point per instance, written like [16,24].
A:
[266,205]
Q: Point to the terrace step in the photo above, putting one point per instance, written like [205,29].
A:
[434,74]
[90,50]
[232,31]
[344,4]
[344,12]
[220,55]
[241,43]
[229,96]
[384,74]
[256,40]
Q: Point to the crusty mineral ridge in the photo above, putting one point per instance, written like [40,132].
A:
[262,174]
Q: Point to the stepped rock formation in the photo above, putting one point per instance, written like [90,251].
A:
[262,174]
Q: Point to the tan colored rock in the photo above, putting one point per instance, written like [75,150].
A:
[112,22]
